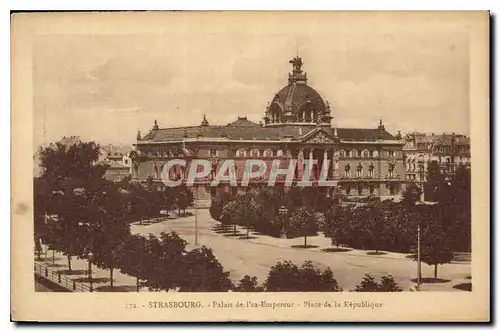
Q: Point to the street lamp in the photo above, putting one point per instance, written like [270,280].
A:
[196,215]
[419,265]
[282,212]
[90,257]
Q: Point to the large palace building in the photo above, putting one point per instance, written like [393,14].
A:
[297,124]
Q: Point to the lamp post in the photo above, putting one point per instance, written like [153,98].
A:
[90,257]
[196,215]
[283,211]
[419,265]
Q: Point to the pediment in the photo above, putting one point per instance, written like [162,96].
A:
[318,136]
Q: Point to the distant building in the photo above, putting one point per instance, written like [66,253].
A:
[117,157]
[448,150]
[297,124]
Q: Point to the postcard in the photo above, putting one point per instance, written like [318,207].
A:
[250,166]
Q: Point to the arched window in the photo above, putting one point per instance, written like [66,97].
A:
[255,153]
[366,153]
[279,153]
[268,153]
[240,153]
[375,154]
[341,153]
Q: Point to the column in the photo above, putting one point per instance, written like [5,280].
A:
[311,166]
[325,157]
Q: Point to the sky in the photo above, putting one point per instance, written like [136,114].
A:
[105,85]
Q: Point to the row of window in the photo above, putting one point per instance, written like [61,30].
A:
[413,167]
[271,153]
[364,153]
[256,153]
[360,174]
[412,177]
[360,187]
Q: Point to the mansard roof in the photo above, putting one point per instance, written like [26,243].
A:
[244,129]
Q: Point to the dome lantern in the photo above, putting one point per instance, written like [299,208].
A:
[297,102]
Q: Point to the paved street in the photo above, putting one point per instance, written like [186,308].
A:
[256,256]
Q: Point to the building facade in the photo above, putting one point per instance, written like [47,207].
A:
[118,161]
[297,124]
[449,151]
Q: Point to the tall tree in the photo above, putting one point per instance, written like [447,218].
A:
[337,219]
[108,228]
[228,215]
[303,223]
[67,166]
[435,246]
[183,198]
[69,172]
[133,256]
[435,181]
[68,232]
[166,262]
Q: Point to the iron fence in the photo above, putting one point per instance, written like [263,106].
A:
[59,278]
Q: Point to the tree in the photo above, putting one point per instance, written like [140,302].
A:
[69,171]
[132,256]
[183,198]
[303,223]
[218,204]
[336,221]
[68,233]
[248,284]
[267,220]
[166,262]
[108,228]
[435,246]
[70,165]
[368,284]
[40,207]
[375,225]
[202,272]
[387,284]
[245,213]
[412,194]
[288,277]
[435,181]
[228,215]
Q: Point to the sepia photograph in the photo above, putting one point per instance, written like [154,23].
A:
[210,166]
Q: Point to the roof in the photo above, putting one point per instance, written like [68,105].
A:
[443,139]
[113,150]
[363,134]
[117,165]
[244,129]
[243,122]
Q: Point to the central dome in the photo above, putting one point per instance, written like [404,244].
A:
[297,103]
